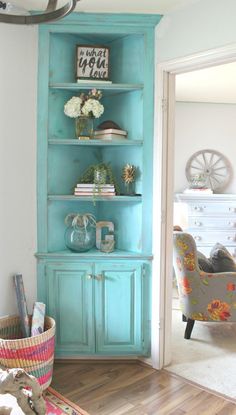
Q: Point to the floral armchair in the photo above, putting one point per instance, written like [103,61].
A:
[203,296]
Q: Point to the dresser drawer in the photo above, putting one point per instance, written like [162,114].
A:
[212,222]
[207,249]
[202,208]
[211,237]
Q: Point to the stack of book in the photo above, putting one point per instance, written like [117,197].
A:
[91,189]
[201,190]
[110,134]
[93,81]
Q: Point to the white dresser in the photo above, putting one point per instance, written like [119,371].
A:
[211,219]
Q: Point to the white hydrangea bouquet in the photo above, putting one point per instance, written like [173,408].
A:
[85,105]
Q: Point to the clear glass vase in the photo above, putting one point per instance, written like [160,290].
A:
[84,127]
[129,189]
[100,176]
[80,238]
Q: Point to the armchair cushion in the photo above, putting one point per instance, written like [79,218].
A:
[221,259]
[204,263]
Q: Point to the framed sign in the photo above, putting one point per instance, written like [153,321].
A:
[92,62]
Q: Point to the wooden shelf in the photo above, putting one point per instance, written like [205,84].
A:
[95,253]
[72,198]
[107,88]
[93,142]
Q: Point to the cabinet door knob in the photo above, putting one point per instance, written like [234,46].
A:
[99,277]
[232,209]
[232,224]
[197,238]
[89,276]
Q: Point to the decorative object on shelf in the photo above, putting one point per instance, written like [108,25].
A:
[84,109]
[198,184]
[84,127]
[109,130]
[110,134]
[128,177]
[213,165]
[99,175]
[108,243]
[198,181]
[90,189]
[92,62]
[108,124]
[11,13]
[80,235]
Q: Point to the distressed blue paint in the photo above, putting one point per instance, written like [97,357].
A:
[108,89]
[62,283]
[93,254]
[104,316]
[71,198]
[96,143]
[118,313]
[70,302]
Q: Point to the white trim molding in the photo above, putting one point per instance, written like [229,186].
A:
[163,190]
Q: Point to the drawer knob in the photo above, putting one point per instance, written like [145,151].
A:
[198,208]
[197,238]
[232,209]
[232,224]
[198,223]
[231,238]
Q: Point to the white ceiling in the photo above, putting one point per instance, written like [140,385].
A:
[216,84]
[113,6]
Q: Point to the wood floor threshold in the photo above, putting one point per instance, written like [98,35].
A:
[203,388]
[99,361]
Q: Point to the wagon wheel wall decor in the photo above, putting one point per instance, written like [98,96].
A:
[212,165]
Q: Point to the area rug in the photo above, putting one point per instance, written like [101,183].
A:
[208,358]
[59,405]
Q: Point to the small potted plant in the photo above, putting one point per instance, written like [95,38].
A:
[99,174]
[80,234]
[128,177]
[84,109]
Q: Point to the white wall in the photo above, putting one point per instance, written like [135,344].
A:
[201,126]
[18,78]
[203,25]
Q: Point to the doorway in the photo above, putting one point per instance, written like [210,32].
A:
[163,197]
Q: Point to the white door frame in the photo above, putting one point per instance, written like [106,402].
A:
[163,190]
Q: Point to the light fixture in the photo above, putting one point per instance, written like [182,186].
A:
[9,13]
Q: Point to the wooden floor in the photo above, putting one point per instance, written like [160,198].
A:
[110,388]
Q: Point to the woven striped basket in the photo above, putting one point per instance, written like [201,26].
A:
[33,354]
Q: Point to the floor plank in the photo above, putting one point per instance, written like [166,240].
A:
[131,388]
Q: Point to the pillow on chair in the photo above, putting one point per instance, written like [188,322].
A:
[221,259]
[204,263]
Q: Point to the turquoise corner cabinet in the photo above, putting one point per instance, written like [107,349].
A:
[101,301]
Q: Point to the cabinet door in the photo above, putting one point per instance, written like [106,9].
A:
[70,302]
[118,295]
